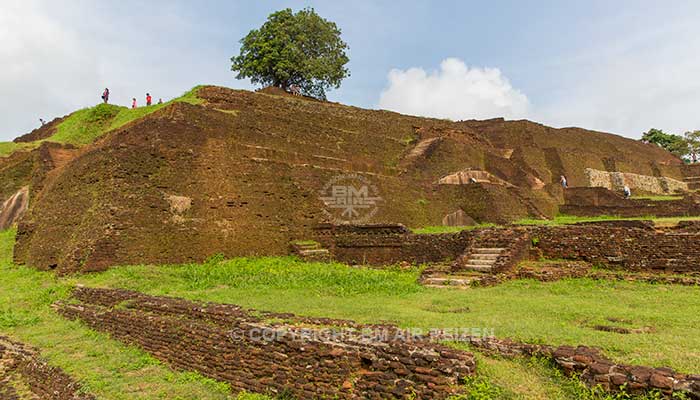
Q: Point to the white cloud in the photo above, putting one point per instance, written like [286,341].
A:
[642,80]
[454,91]
[56,59]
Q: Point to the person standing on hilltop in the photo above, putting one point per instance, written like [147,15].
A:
[133,103]
[148,99]
[160,101]
[105,95]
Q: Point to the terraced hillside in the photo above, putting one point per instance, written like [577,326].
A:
[240,173]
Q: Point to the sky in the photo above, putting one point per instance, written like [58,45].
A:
[614,66]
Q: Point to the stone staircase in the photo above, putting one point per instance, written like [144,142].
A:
[311,251]
[491,253]
[480,259]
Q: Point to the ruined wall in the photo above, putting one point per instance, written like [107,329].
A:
[594,201]
[388,244]
[21,364]
[630,245]
[595,369]
[255,351]
[640,183]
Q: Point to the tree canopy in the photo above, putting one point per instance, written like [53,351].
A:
[684,146]
[290,48]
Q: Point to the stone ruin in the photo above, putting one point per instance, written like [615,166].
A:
[22,370]
[275,353]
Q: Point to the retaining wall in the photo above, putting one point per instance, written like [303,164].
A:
[628,245]
[642,183]
[388,244]
[594,201]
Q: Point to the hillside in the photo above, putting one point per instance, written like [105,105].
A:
[240,173]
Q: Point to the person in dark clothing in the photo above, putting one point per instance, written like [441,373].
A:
[105,95]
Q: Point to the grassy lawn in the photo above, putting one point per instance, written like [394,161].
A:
[557,313]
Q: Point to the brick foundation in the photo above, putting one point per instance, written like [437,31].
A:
[595,201]
[636,246]
[595,369]
[223,342]
[21,364]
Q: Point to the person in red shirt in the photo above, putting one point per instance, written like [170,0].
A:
[133,102]
[148,99]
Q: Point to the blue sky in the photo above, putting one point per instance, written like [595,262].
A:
[621,67]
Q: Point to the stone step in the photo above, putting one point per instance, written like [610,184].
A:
[445,281]
[487,250]
[463,287]
[307,246]
[484,256]
[313,252]
[478,268]
[474,261]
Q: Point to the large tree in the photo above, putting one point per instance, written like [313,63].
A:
[692,140]
[290,48]
[674,143]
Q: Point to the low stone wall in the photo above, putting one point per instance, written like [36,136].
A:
[595,201]
[616,181]
[596,370]
[388,244]
[277,353]
[21,363]
[636,246]
[629,245]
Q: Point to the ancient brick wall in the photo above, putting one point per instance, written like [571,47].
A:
[389,244]
[268,352]
[631,245]
[20,363]
[595,369]
[642,183]
[594,201]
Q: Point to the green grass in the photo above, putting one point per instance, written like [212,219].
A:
[533,378]
[7,148]
[449,229]
[87,125]
[562,312]
[571,219]
[657,197]
[558,220]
